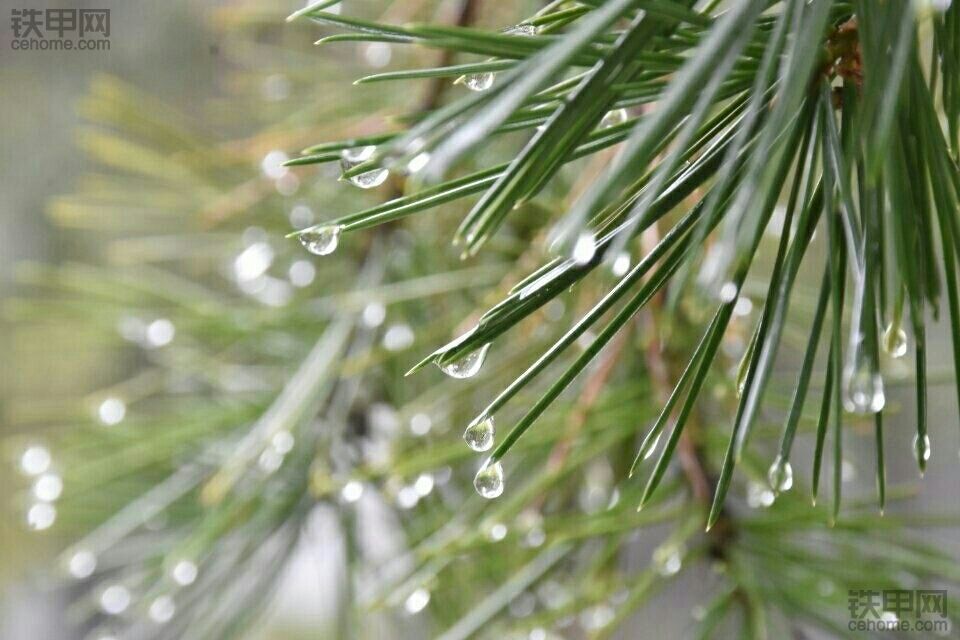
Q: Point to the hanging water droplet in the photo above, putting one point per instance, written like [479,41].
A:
[921,448]
[668,559]
[584,248]
[466,366]
[321,241]
[478,81]
[621,264]
[479,434]
[780,475]
[863,390]
[613,118]
[484,80]
[895,341]
[489,480]
[349,158]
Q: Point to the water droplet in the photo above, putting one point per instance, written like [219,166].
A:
[668,559]
[301,216]
[283,442]
[780,475]
[162,609]
[418,162]
[41,516]
[398,337]
[521,30]
[759,495]
[48,487]
[652,449]
[535,537]
[597,617]
[184,572]
[82,564]
[115,599]
[479,434]
[352,491]
[728,292]
[940,6]
[159,333]
[407,497]
[895,341]
[272,164]
[112,411]
[921,448]
[374,314]
[478,81]
[742,307]
[302,273]
[613,118]
[489,480]
[584,248]
[420,424]
[349,158]
[466,366]
[378,54]
[417,601]
[321,241]
[621,265]
[863,390]
[484,80]
[848,472]
[35,460]
[497,532]
[270,460]
[423,485]
[253,262]
[523,605]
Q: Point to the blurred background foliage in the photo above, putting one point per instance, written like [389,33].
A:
[227,420]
